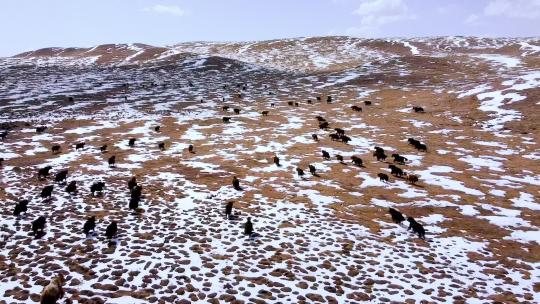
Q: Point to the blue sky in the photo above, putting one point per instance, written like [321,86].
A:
[29,24]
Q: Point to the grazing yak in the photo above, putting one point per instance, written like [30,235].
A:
[379,154]
[161,146]
[323,125]
[46,192]
[309,101]
[71,187]
[320,118]
[236,111]
[41,129]
[334,136]
[111,230]
[226,119]
[264,113]
[417,144]
[157,128]
[339,158]
[136,192]
[248,227]
[416,228]
[315,137]
[367,102]
[325,155]
[313,170]
[236,183]
[38,225]
[397,217]
[112,161]
[318,98]
[20,207]
[3,135]
[79,146]
[56,149]
[103,148]
[412,179]
[356,108]
[89,225]
[396,171]
[357,161]
[290,103]
[132,183]
[97,187]
[339,131]
[61,176]
[399,159]
[328,99]
[346,139]
[418,109]
[191,149]
[131,142]
[53,291]
[228,210]
[44,172]
[383,177]
[276,160]
[134,203]
[225,108]
[300,172]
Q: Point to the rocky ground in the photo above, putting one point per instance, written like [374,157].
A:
[326,238]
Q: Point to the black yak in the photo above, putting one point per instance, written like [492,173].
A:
[226,119]
[132,183]
[46,192]
[38,225]
[416,228]
[323,125]
[276,160]
[236,183]
[134,203]
[367,102]
[346,139]
[79,146]
[112,161]
[397,217]
[264,113]
[97,187]
[41,129]
[161,146]
[157,128]
[396,171]
[315,137]
[44,172]
[56,149]
[61,176]
[356,108]
[339,158]
[418,109]
[20,207]
[111,230]
[313,170]
[325,155]
[228,210]
[131,142]
[236,111]
[399,159]
[89,225]
[248,227]
[412,179]
[191,149]
[357,161]
[103,148]
[71,187]
[300,172]
[383,177]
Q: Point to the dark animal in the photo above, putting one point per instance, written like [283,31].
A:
[79,146]
[313,170]
[367,102]
[418,109]
[89,225]
[356,108]
[53,291]
[334,136]
[228,210]
[357,161]
[339,158]
[61,176]
[157,128]
[346,139]
[276,160]
[264,113]
[236,183]
[412,179]
[226,119]
[290,103]
[1,160]
[236,111]
[112,161]
[396,171]
[421,147]
[41,129]
[383,177]
[397,217]
[132,183]
[20,207]
[136,192]
[111,230]
[399,159]
[131,142]
[191,149]
[161,146]
[38,225]
[318,98]
[329,99]
[47,191]
[413,141]
[296,104]
[315,137]
[248,227]
[225,108]
[97,187]
[323,125]
[71,187]
[103,148]
[3,135]
[134,203]
[325,155]
[320,118]
[380,156]
[339,131]
[44,172]
[300,172]
[309,101]
[416,228]
[55,149]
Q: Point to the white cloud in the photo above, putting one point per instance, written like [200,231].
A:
[375,13]
[166,9]
[526,9]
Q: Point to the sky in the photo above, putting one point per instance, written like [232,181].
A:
[32,24]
